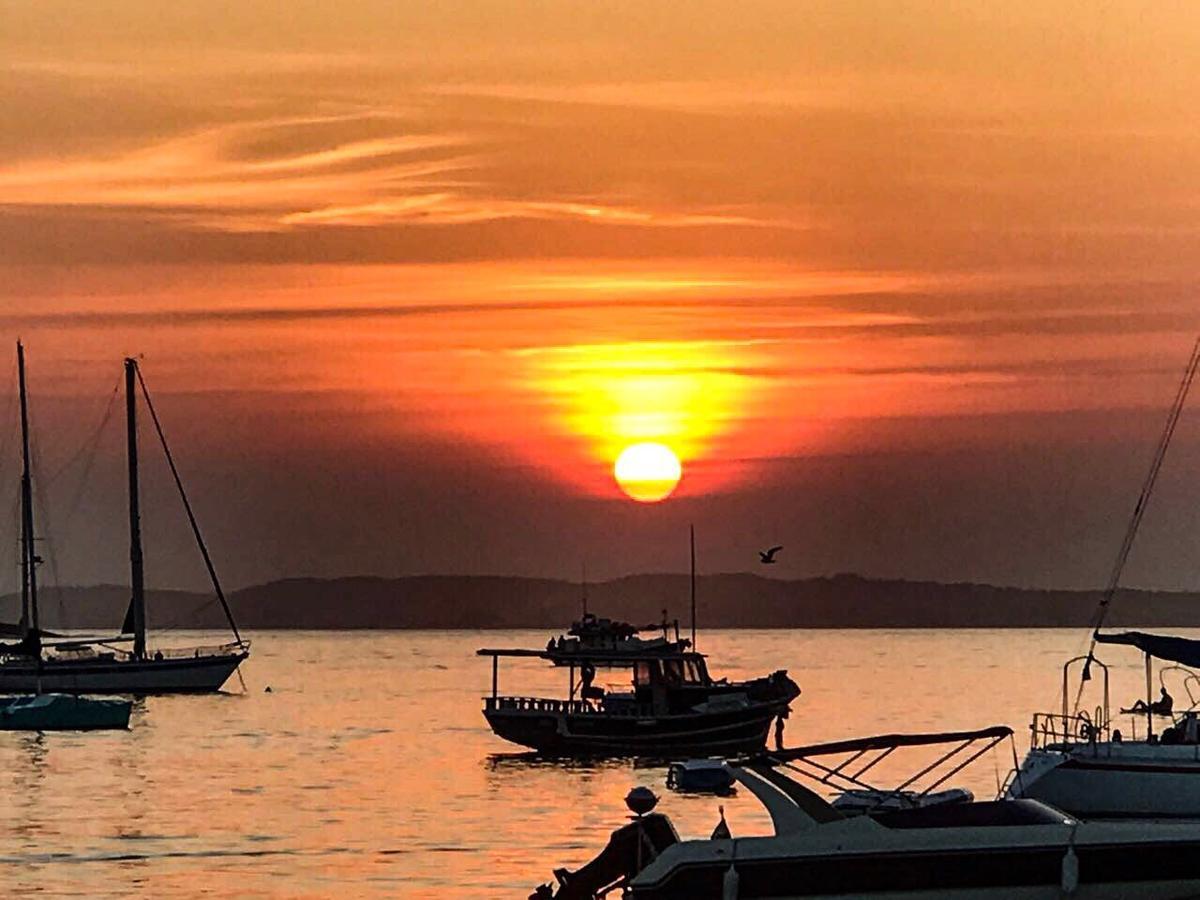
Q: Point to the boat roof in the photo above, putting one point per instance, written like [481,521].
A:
[1185,651]
[587,655]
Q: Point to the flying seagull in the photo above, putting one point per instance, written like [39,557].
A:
[768,556]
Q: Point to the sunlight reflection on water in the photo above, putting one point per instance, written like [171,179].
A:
[369,770]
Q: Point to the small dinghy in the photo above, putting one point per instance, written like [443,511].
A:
[700,776]
[62,712]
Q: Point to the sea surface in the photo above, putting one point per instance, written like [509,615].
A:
[367,769]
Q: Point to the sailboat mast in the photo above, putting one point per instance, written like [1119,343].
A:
[137,578]
[29,605]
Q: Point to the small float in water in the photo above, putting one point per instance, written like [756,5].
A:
[700,776]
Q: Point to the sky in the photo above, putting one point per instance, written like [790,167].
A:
[906,287]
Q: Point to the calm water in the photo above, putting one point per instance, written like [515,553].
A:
[368,769]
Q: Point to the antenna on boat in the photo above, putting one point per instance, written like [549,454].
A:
[1139,510]
[692,542]
[583,586]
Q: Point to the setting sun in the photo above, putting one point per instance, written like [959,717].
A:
[648,472]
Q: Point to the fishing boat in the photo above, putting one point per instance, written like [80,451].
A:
[121,663]
[1080,759]
[672,706]
[990,849]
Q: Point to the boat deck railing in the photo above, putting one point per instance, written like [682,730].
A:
[103,650]
[197,652]
[549,705]
[1049,729]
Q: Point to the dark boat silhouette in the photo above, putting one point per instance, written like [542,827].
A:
[672,706]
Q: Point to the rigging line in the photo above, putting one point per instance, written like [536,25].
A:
[12,426]
[182,620]
[187,506]
[92,450]
[1139,510]
[88,447]
[54,584]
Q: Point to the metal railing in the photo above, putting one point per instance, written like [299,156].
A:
[198,652]
[569,707]
[1055,729]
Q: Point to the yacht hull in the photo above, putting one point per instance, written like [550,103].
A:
[171,675]
[1114,781]
[1142,868]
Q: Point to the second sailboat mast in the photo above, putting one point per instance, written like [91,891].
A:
[137,579]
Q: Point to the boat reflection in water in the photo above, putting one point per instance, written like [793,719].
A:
[992,849]
[673,705]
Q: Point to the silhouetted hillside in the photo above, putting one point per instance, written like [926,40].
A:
[724,601]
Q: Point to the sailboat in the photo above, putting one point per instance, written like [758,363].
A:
[123,663]
[48,711]
[1079,761]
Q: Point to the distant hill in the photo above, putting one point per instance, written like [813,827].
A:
[724,601]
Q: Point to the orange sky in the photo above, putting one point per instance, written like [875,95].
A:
[501,241]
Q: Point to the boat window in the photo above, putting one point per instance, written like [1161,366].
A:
[673,671]
[692,672]
[641,673]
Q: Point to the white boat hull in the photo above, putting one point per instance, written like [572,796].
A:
[1121,780]
[1148,890]
[1128,861]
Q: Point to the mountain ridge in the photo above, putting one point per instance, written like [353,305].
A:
[725,600]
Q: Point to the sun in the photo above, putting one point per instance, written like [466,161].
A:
[647,472]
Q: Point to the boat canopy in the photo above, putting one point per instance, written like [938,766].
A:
[1185,651]
[887,742]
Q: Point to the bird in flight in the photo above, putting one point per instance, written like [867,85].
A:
[768,556]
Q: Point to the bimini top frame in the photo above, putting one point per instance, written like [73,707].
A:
[864,754]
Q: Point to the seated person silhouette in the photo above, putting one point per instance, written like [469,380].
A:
[587,692]
[1160,707]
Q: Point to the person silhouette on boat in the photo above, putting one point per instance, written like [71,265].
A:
[587,691]
[1160,707]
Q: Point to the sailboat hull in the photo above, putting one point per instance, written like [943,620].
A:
[171,675]
[1114,780]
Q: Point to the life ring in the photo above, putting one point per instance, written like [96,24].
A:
[1086,729]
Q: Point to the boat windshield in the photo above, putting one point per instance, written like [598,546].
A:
[669,671]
